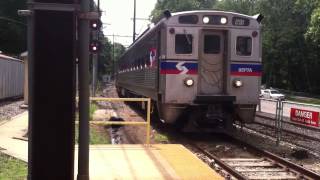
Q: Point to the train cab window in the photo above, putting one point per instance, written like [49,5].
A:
[244,46]
[211,44]
[183,43]
[189,19]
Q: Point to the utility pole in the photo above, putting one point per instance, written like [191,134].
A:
[113,62]
[83,154]
[134,21]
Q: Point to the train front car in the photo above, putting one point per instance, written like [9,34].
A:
[210,69]
[201,68]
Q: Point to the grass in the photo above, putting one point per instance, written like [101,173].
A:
[304,100]
[98,135]
[93,108]
[161,138]
[11,168]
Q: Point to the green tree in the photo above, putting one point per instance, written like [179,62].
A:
[108,56]
[239,6]
[179,5]
[313,33]
[12,28]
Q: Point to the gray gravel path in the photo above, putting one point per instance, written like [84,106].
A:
[10,109]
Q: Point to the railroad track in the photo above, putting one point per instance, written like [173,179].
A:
[271,119]
[288,131]
[262,165]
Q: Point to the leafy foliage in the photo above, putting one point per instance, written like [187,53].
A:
[108,56]
[12,27]
[291,37]
[179,5]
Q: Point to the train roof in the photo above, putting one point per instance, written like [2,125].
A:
[173,20]
[209,12]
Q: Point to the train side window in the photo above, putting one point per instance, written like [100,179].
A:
[244,45]
[183,43]
[211,44]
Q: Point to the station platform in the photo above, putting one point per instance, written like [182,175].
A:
[159,161]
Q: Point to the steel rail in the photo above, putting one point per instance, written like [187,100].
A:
[288,131]
[299,170]
[273,136]
[224,165]
[290,123]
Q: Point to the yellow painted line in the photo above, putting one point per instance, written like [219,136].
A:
[147,124]
[118,123]
[119,99]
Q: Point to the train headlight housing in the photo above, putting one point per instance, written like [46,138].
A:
[237,83]
[189,82]
[223,20]
[205,19]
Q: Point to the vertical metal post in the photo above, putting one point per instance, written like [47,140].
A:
[148,121]
[113,60]
[134,20]
[30,39]
[278,118]
[83,154]
[94,74]
[259,105]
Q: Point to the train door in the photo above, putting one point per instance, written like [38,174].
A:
[211,64]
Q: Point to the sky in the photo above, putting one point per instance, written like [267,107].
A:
[117,18]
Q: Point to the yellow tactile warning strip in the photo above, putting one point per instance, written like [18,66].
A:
[185,163]
[166,161]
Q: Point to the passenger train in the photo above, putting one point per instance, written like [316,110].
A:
[200,68]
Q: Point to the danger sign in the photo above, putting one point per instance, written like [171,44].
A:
[309,118]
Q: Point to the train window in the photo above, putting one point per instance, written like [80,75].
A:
[183,44]
[189,19]
[244,46]
[211,44]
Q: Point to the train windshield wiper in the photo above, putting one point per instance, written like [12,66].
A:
[187,37]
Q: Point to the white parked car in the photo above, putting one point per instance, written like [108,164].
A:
[272,94]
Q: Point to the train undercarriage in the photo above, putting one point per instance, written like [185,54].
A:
[203,116]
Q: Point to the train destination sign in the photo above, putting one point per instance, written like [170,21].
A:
[309,118]
[239,21]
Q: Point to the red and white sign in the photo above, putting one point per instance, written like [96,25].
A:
[152,57]
[309,118]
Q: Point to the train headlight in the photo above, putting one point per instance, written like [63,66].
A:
[205,19]
[237,83]
[223,20]
[189,82]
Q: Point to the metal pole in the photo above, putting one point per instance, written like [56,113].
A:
[280,120]
[259,105]
[94,74]
[83,153]
[30,38]
[134,21]
[113,61]
[277,123]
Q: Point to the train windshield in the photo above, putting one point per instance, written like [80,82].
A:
[183,43]
[244,46]
[211,44]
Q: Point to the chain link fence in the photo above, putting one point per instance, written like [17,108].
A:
[281,112]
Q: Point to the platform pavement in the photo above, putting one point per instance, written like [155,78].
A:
[167,161]
[11,135]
